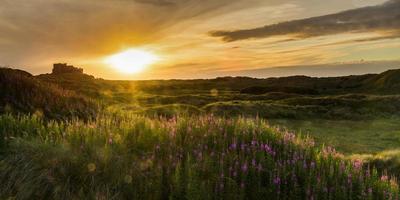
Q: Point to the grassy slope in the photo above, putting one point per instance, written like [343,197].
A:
[22,92]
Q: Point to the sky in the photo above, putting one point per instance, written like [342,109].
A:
[203,38]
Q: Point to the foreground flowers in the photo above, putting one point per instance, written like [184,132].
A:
[185,157]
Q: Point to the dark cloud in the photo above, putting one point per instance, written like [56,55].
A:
[381,18]
[321,70]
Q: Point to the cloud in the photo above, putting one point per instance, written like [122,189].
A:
[381,18]
[157,2]
[33,31]
[322,70]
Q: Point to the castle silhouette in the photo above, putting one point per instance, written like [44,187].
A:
[63,68]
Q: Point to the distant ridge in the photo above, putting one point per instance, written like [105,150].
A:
[387,82]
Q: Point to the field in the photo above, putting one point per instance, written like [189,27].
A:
[125,156]
[72,136]
[349,137]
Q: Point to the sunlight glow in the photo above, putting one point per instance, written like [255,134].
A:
[131,61]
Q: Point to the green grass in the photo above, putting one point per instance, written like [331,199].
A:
[347,136]
[126,156]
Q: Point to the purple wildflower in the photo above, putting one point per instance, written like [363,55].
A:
[244,167]
[277,180]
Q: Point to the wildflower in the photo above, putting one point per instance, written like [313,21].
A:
[244,167]
[243,146]
[262,146]
[349,179]
[368,173]
[128,179]
[384,178]
[277,180]
[233,146]
[91,167]
[357,164]
[110,140]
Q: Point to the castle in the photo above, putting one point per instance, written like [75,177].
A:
[63,68]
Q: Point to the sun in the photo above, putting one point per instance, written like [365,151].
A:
[131,61]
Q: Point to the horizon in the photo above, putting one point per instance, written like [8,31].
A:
[185,39]
[325,71]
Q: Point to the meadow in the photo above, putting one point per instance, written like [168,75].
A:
[126,156]
[72,136]
[349,136]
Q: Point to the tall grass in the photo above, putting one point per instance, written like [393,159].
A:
[126,156]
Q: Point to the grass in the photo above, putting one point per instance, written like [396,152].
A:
[219,147]
[128,156]
[350,137]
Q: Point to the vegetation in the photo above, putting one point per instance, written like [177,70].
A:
[23,93]
[349,137]
[72,136]
[125,156]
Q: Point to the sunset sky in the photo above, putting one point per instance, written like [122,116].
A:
[203,38]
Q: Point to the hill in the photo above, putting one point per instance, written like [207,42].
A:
[384,83]
[296,97]
[23,93]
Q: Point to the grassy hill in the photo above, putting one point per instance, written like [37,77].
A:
[23,93]
[297,97]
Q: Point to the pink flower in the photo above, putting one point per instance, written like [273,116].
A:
[277,180]
[357,164]
[244,167]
